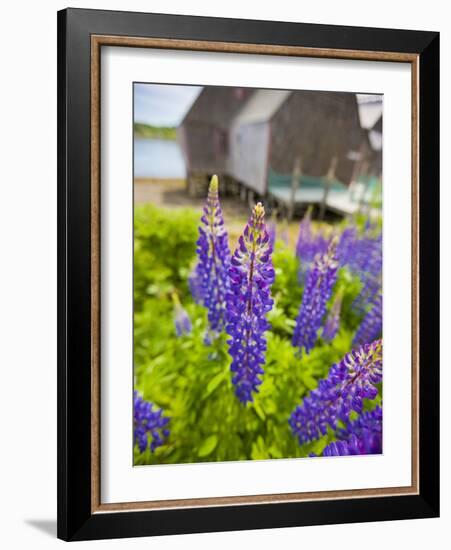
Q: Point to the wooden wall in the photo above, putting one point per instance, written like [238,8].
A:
[205,128]
[205,147]
[248,160]
[316,126]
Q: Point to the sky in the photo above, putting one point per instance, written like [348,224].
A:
[163,105]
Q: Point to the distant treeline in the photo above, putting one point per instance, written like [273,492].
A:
[156,132]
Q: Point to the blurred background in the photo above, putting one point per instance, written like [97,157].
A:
[289,149]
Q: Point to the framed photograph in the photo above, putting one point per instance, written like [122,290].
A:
[248,274]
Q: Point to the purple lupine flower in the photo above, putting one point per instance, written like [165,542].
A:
[368,421]
[182,320]
[346,245]
[305,236]
[360,437]
[272,231]
[212,279]
[332,323]
[368,265]
[371,325]
[339,448]
[248,302]
[363,256]
[284,233]
[370,289]
[149,424]
[308,245]
[318,289]
[369,445]
[350,381]
[368,225]
[361,253]
[195,286]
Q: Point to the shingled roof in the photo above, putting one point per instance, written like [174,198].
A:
[217,105]
[261,106]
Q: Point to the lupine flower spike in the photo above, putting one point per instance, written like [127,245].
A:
[285,233]
[371,326]
[248,302]
[368,264]
[360,437]
[318,289]
[303,245]
[308,245]
[211,279]
[363,255]
[346,248]
[181,318]
[194,286]
[272,232]
[332,323]
[348,383]
[149,425]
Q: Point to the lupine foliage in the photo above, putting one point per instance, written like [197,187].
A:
[190,380]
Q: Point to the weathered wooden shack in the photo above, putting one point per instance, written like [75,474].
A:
[256,137]
[204,132]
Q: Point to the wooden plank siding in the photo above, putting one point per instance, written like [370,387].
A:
[248,160]
[316,126]
[205,129]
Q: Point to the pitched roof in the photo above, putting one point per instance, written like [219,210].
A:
[377,127]
[261,106]
[370,110]
[217,105]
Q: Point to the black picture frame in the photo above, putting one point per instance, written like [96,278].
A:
[76,519]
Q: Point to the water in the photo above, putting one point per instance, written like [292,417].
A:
[158,158]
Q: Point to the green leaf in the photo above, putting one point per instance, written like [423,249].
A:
[275,452]
[208,446]
[259,411]
[214,383]
[270,406]
[309,381]
[259,451]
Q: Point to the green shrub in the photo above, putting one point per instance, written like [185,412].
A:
[164,248]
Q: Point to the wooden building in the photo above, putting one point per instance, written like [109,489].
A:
[204,132]
[257,137]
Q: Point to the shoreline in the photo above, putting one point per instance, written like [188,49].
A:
[159,181]
[161,137]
